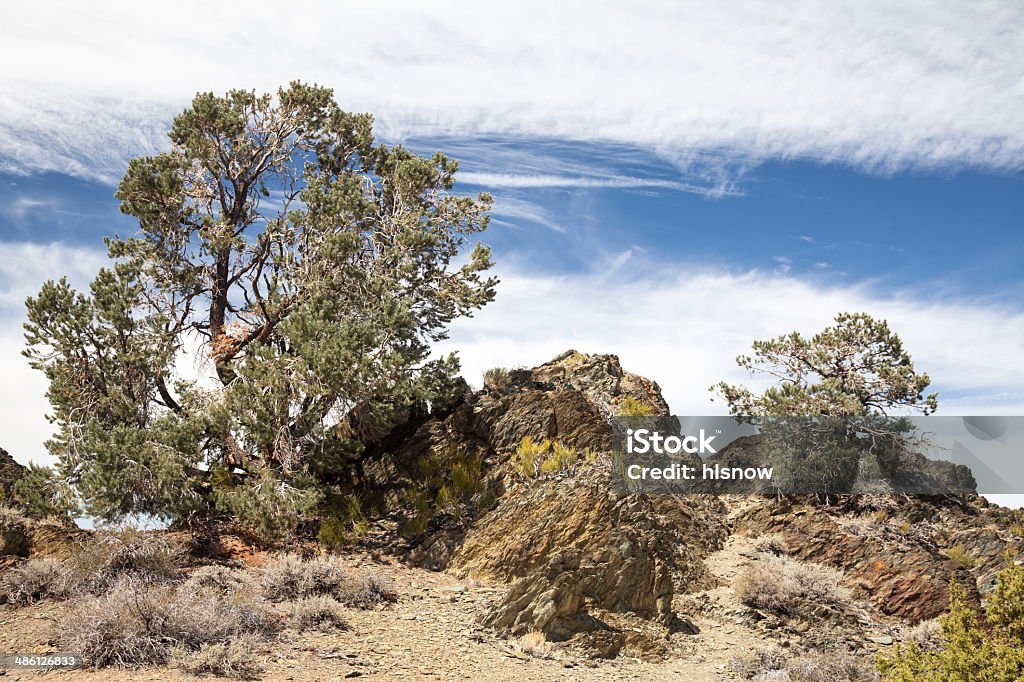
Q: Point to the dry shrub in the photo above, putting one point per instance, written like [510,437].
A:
[366,591]
[238,658]
[147,557]
[924,634]
[290,578]
[14,528]
[781,584]
[773,666]
[535,644]
[837,666]
[770,543]
[318,612]
[135,624]
[219,579]
[758,663]
[37,579]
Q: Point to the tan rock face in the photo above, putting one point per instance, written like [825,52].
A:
[908,578]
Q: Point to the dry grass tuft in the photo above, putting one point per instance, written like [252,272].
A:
[535,644]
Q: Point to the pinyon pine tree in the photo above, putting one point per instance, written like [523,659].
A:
[828,412]
[306,267]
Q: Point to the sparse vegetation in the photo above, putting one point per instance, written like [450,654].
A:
[14,527]
[134,624]
[497,379]
[770,543]
[774,666]
[781,584]
[218,579]
[290,578]
[238,658]
[959,554]
[631,407]
[532,459]
[146,556]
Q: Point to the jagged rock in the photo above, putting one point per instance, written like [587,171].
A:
[10,472]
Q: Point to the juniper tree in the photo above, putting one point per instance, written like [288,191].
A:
[830,407]
[307,267]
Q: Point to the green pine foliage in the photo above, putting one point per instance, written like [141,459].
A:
[312,267]
[855,368]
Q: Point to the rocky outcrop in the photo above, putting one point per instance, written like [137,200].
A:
[899,574]
[586,563]
[576,549]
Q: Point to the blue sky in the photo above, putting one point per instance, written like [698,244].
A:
[671,181]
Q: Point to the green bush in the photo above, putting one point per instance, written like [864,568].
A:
[989,648]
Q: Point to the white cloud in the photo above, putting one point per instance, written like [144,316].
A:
[684,327]
[570,182]
[877,84]
[24,266]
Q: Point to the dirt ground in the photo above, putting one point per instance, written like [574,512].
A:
[431,634]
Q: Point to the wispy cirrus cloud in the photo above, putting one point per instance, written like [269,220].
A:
[874,84]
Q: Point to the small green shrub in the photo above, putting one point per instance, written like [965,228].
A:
[532,459]
[1017,529]
[631,407]
[959,554]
